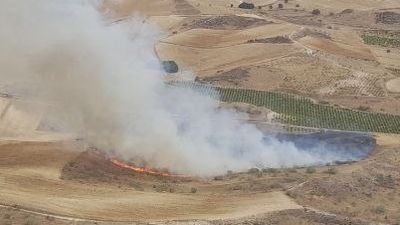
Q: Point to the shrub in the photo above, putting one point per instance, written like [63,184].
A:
[280,6]
[316,12]
[379,210]
[347,11]
[170,66]
[297,5]
[271,7]
[286,1]
[245,5]
[311,170]
[193,190]
[6,216]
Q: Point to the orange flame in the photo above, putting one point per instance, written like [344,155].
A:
[140,169]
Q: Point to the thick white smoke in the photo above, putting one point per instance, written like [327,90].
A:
[105,82]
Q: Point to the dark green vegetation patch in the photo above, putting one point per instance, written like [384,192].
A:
[372,39]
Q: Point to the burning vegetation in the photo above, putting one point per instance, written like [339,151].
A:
[144,170]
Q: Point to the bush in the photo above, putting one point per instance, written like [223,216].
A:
[347,11]
[297,5]
[316,12]
[311,170]
[245,5]
[286,1]
[271,7]
[193,190]
[280,6]
[170,66]
[6,216]
[379,210]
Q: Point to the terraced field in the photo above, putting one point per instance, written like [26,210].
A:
[301,111]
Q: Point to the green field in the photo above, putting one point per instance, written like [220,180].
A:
[390,42]
[300,111]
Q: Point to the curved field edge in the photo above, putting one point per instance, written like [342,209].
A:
[301,111]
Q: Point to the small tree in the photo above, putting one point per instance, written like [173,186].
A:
[280,6]
[245,5]
[286,1]
[316,12]
[271,7]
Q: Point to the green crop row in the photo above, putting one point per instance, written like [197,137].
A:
[300,111]
[380,40]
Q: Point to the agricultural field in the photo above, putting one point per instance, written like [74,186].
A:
[301,111]
[391,42]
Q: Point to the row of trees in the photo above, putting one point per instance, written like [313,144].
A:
[301,111]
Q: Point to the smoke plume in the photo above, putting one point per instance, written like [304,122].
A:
[104,82]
